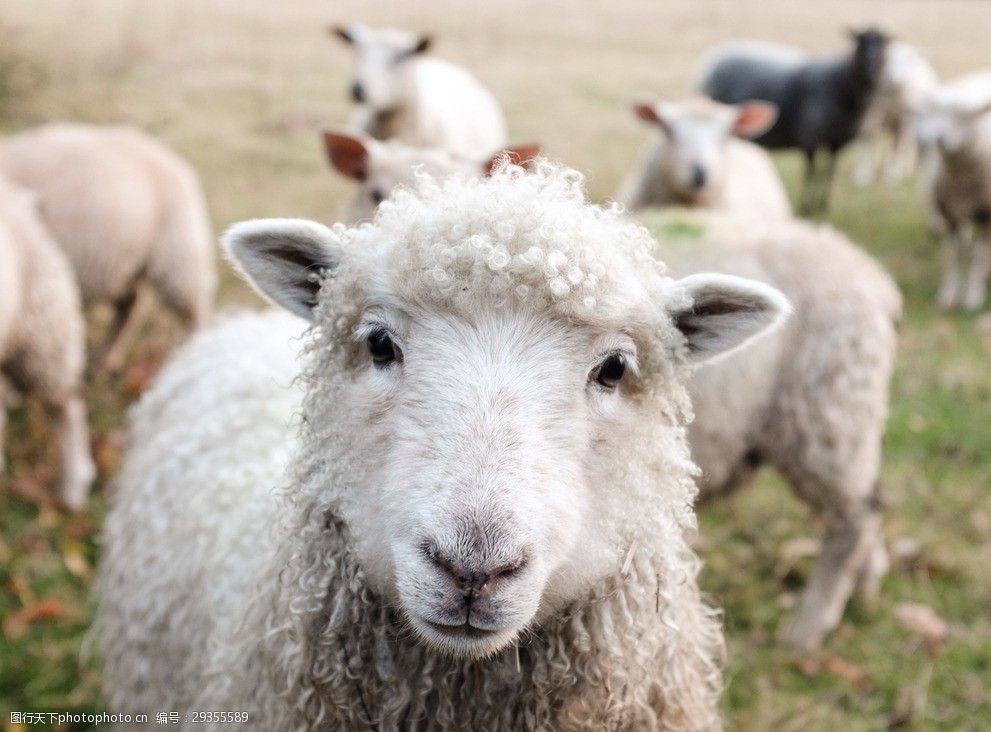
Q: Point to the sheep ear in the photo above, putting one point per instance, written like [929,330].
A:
[285,260]
[725,312]
[347,153]
[515,155]
[345,34]
[755,118]
[646,112]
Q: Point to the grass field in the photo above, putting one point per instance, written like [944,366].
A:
[241,88]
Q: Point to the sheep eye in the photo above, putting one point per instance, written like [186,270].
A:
[377,196]
[382,349]
[610,371]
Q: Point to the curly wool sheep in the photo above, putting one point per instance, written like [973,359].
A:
[697,160]
[483,516]
[42,339]
[126,210]
[403,93]
[811,399]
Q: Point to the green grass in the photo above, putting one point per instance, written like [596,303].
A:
[241,91]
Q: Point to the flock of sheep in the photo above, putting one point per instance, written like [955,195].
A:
[451,483]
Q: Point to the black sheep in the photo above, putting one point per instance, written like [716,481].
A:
[821,102]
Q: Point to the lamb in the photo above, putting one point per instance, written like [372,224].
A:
[42,339]
[821,102]
[422,101]
[956,122]
[809,400]
[907,79]
[126,210]
[379,167]
[482,521]
[697,162]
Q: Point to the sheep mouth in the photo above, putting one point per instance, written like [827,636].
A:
[464,631]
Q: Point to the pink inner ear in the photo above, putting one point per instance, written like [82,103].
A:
[347,154]
[755,118]
[647,113]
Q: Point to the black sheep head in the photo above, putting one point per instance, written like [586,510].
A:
[868,53]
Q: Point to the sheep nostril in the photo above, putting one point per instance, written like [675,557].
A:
[471,579]
[698,176]
[357,92]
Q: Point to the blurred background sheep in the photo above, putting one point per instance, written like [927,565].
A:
[245,96]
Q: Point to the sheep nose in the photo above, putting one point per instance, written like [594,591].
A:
[471,580]
[357,92]
[698,176]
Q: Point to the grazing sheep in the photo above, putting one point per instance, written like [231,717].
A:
[955,121]
[425,102]
[379,167]
[42,340]
[907,79]
[810,400]
[483,519]
[697,162]
[126,210]
[821,102]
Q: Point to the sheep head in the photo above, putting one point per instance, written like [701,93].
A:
[496,398]
[696,132]
[380,57]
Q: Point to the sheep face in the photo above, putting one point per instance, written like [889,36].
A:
[870,45]
[381,56]
[481,382]
[696,133]
[949,125]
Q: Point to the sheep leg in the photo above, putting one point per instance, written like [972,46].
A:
[954,247]
[980,264]
[868,155]
[902,154]
[806,206]
[852,556]
[78,469]
[127,311]
[3,421]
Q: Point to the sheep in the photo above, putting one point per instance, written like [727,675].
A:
[907,79]
[696,161]
[42,339]
[955,122]
[422,101]
[809,399]
[821,102]
[483,516]
[381,166]
[126,210]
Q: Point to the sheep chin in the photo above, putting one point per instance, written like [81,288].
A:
[463,641]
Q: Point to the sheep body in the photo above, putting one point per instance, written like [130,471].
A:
[696,161]
[955,122]
[441,427]
[41,334]
[125,209]
[821,102]
[907,79]
[423,101]
[810,399]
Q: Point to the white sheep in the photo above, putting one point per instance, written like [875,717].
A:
[380,167]
[482,521]
[907,79]
[810,399]
[955,122]
[126,210]
[697,160]
[42,340]
[423,101]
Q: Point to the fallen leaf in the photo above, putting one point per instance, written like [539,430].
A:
[849,672]
[17,623]
[923,620]
[74,558]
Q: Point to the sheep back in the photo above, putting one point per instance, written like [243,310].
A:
[122,206]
